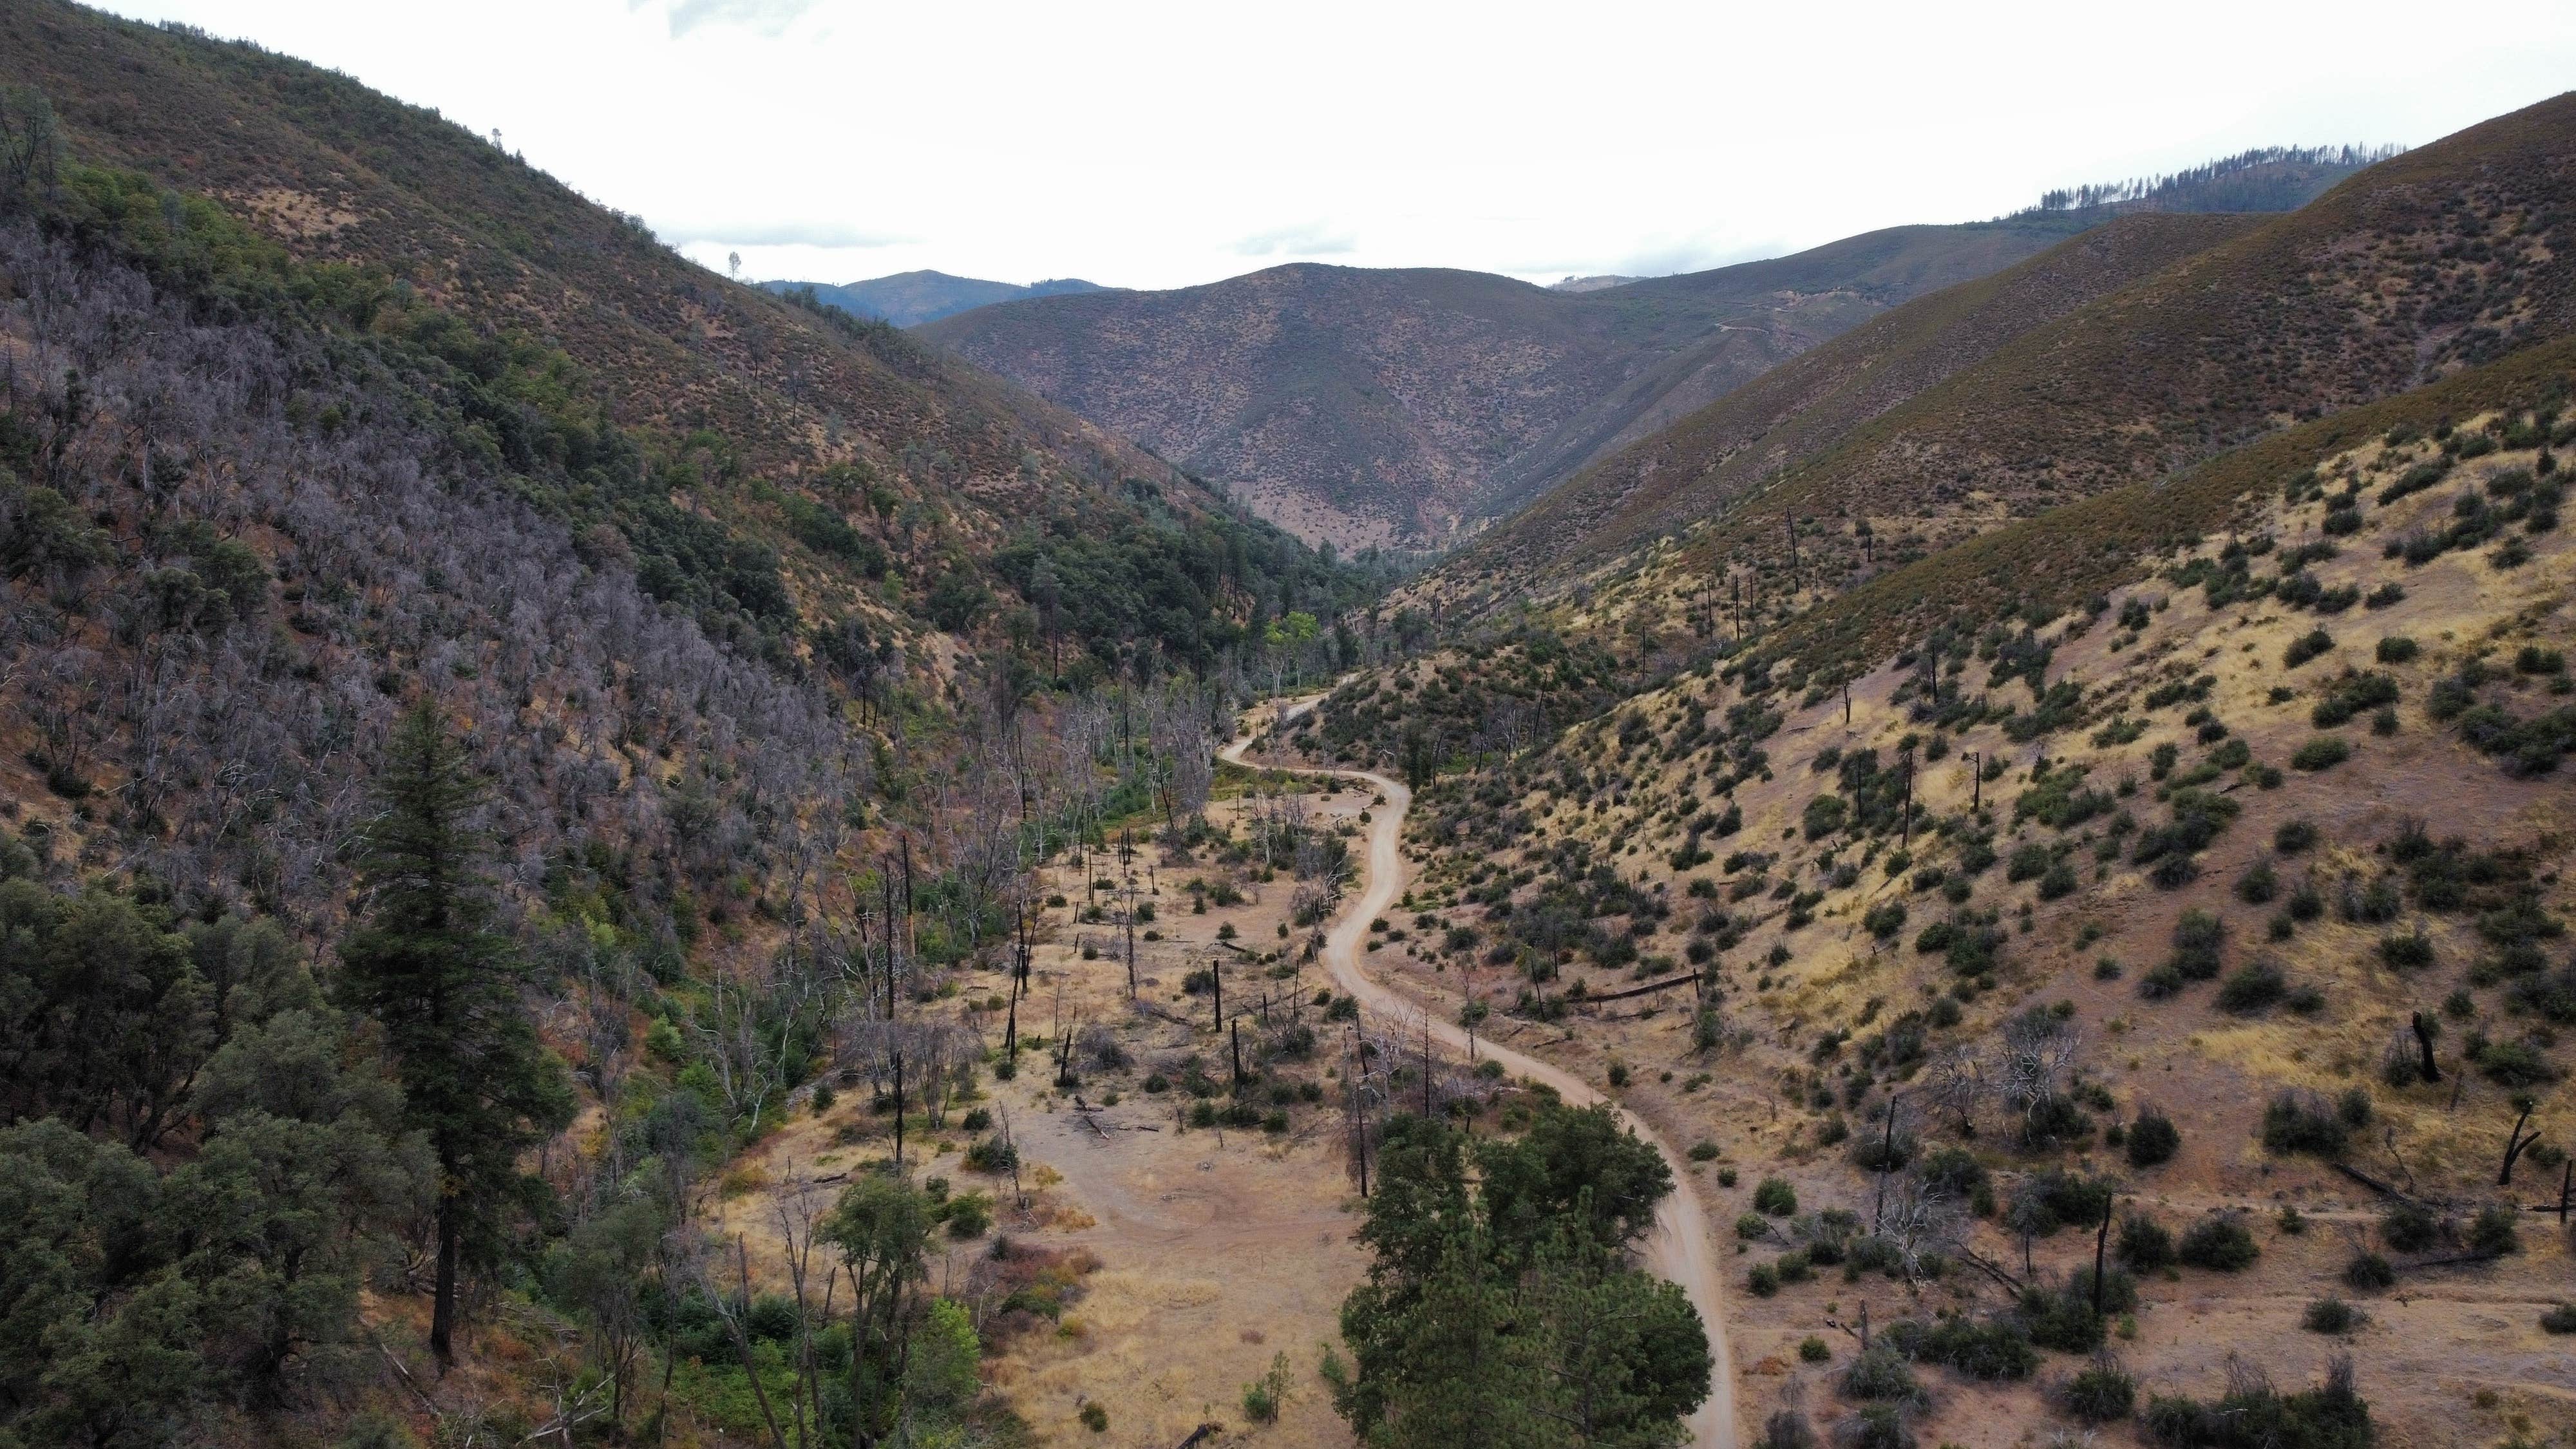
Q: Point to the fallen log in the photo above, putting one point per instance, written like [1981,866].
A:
[1651,986]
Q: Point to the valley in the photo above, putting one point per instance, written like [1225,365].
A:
[1955,840]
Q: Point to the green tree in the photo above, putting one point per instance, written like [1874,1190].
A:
[881,1226]
[428,965]
[1505,1310]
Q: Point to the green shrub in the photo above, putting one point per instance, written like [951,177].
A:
[1095,1417]
[2101,1394]
[1763,1281]
[2368,1272]
[2152,1138]
[2144,1244]
[1881,1376]
[2495,1231]
[1988,1352]
[2294,836]
[1812,1349]
[1774,1197]
[2253,987]
[2331,1315]
[2410,1227]
[2219,1243]
[2397,649]
[2199,937]
[2306,647]
[2303,1122]
[2560,1319]
[2322,753]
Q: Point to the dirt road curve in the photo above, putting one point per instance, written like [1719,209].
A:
[1678,1245]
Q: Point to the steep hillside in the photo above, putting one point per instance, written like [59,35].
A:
[1409,406]
[907,299]
[875,470]
[2124,956]
[1690,469]
[2444,257]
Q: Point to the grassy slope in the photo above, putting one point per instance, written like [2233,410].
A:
[2447,256]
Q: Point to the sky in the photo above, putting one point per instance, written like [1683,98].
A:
[1167,144]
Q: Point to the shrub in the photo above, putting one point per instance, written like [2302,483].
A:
[2410,1227]
[2252,1413]
[2259,884]
[1774,1197]
[2302,1122]
[2253,987]
[1988,1352]
[1812,1349]
[2331,1315]
[2560,1319]
[2407,953]
[2306,647]
[1880,1376]
[2322,753]
[2294,836]
[2100,1394]
[2218,1243]
[2144,1244]
[1752,1226]
[2495,1231]
[2368,1272]
[2153,1138]
[2198,938]
[2397,649]
[1095,1417]
[991,1155]
[1763,1281]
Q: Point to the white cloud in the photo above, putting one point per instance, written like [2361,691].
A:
[764,17]
[1298,239]
[1159,143]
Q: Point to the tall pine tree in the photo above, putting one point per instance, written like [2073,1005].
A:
[426,963]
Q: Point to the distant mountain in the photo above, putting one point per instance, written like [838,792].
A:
[1416,407]
[908,299]
[2268,178]
[1413,406]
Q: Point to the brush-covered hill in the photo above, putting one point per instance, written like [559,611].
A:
[1410,405]
[2439,259]
[873,468]
[2126,952]
[908,299]
[1415,406]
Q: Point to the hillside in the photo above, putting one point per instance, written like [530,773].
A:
[492,718]
[1415,407]
[907,299]
[2441,258]
[2081,879]
[1410,406]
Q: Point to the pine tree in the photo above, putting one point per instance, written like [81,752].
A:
[428,965]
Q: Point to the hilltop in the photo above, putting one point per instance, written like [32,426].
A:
[908,299]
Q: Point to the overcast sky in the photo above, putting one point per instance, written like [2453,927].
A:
[1155,145]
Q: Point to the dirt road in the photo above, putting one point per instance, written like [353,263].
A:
[1678,1245]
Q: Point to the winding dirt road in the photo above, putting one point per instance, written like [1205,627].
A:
[1677,1247]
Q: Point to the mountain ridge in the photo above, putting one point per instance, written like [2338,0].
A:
[1417,406]
[908,299]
